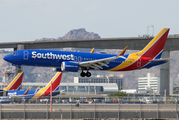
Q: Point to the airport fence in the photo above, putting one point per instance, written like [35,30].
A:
[66,107]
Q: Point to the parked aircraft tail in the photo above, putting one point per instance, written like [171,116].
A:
[45,91]
[16,82]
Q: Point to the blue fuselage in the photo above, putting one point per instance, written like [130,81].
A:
[52,58]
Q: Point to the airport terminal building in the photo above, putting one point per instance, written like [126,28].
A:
[151,84]
[118,79]
[77,88]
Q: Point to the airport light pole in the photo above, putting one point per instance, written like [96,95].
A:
[89,86]
[95,90]
[67,86]
[51,98]
[153,29]
[59,100]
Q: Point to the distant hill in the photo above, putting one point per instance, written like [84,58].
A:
[74,34]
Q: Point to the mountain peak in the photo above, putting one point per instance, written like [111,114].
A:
[80,33]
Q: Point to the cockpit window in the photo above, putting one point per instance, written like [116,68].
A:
[14,53]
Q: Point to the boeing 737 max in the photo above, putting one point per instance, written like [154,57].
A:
[73,61]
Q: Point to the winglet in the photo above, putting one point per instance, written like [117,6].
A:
[26,91]
[16,82]
[124,50]
[36,90]
[92,50]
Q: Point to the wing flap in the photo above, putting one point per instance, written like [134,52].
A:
[87,63]
[96,64]
[103,64]
[94,67]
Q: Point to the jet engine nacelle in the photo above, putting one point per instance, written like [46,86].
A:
[69,66]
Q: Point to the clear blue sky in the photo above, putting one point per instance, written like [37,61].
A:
[27,20]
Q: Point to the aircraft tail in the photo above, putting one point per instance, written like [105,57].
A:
[155,48]
[54,82]
[16,82]
[45,91]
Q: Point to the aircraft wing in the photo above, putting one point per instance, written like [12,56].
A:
[158,60]
[58,91]
[96,64]
[20,97]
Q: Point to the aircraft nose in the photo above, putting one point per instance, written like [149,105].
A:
[7,58]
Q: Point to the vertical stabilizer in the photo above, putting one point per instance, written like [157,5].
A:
[45,91]
[16,82]
[156,46]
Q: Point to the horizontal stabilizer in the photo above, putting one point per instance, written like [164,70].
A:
[158,60]
[58,91]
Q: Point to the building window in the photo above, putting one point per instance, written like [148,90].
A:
[71,88]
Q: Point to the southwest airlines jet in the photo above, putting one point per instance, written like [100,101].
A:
[73,61]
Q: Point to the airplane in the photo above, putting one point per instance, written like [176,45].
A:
[39,93]
[67,61]
[16,82]
[13,93]
[15,85]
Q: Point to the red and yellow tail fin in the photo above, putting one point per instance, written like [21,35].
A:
[55,81]
[45,91]
[16,82]
[156,46]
